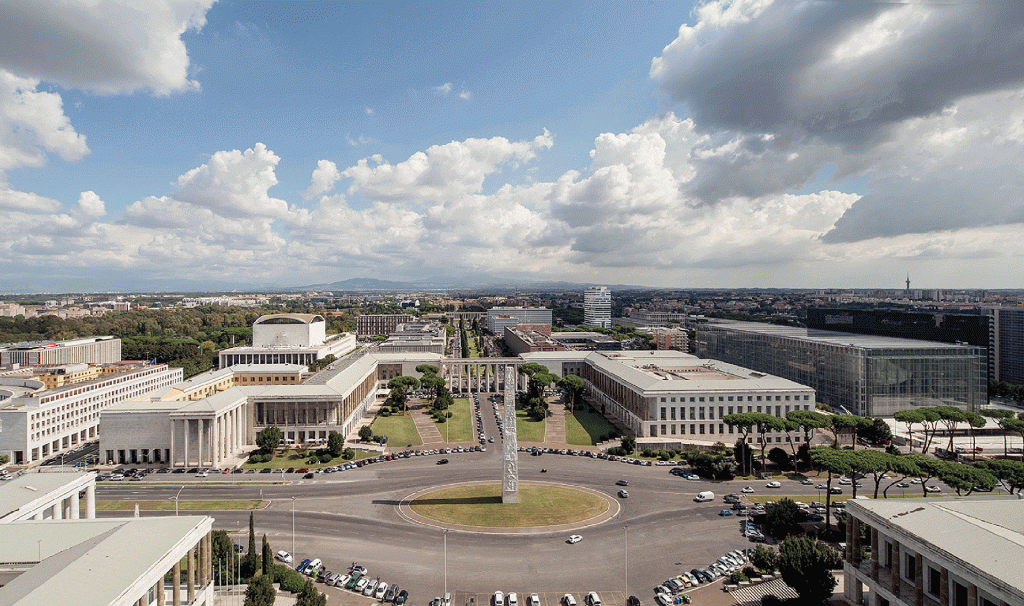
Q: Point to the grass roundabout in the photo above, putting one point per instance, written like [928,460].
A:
[480,505]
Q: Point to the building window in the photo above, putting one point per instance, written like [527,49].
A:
[664,431]
[663,410]
[934,581]
[693,428]
[702,430]
[673,428]
[909,566]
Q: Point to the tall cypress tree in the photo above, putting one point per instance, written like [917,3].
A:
[268,557]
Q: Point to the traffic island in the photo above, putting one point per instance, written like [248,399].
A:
[542,507]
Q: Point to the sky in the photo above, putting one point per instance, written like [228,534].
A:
[746,143]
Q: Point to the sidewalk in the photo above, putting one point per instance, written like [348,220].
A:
[429,433]
[554,429]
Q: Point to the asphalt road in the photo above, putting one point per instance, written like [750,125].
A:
[352,516]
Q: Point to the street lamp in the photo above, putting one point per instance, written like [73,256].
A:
[293,528]
[446,561]
[625,533]
[176,500]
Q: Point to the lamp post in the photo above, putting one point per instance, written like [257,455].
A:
[293,528]
[176,500]
[625,570]
[446,561]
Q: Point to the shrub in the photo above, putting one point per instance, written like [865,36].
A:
[348,454]
[647,452]
[449,415]
[289,579]
[750,571]
[738,577]
[326,457]
[385,412]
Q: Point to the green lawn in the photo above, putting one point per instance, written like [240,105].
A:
[459,428]
[283,459]
[528,430]
[481,505]
[585,428]
[400,430]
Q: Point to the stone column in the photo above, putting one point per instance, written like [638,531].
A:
[943,587]
[75,511]
[176,584]
[170,458]
[972,595]
[894,569]
[190,576]
[187,426]
[57,511]
[848,552]
[918,580]
[38,516]
[90,502]
[510,454]
[874,554]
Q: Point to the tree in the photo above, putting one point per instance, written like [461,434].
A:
[910,418]
[869,462]
[744,423]
[806,565]
[251,563]
[268,556]
[765,423]
[628,444]
[840,424]
[309,596]
[950,416]
[1013,424]
[783,517]
[999,414]
[365,433]
[974,421]
[223,561]
[835,462]
[808,421]
[902,466]
[573,388]
[928,468]
[876,432]
[335,443]
[399,387]
[764,559]
[779,457]
[268,439]
[932,418]
[968,478]
[260,592]
[1009,473]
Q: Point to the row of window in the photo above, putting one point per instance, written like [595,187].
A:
[672,429]
[778,398]
[697,413]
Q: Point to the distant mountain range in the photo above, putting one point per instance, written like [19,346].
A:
[474,283]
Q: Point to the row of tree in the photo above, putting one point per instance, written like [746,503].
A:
[931,417]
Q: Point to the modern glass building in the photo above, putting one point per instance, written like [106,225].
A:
[861,374]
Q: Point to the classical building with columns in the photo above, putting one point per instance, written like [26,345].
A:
[152,561]
[935,552]
[52,494]
[289,339]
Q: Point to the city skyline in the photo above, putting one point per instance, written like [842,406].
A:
[721,144]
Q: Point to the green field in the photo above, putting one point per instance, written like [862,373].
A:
[400,430]
[459,428]
[481,505]
[283,459]
[585,428]
[169,505]
[528,430]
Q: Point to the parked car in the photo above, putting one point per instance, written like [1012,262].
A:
[533,600]
[283,556]
[401,598]
[442,461]
[513,599]
[498,598]
[382,588]
[593,599]
[568,600]
[391,593]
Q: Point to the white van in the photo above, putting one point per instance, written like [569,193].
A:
[313,567]
[704,497]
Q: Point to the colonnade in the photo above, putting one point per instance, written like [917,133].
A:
[70,507]
[208,440]
[198,574]
[481,374]
[896,573]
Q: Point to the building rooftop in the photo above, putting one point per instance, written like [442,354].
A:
[23,490]
[834,337]
[983,533]
[93,560]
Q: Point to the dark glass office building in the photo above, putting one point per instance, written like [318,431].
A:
[866,375]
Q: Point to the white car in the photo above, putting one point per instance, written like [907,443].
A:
[513,599]
[283,556]
[747,489]
[382,588]
[533,600]
[499,598]
[932,489]
[773,484]
[575,538]
[568,600]
[203,474]
[807,482]
[370,587]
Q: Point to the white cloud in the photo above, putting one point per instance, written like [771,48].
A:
[360,140]
[444,89]
[442,171]
[236,184]
[33,124]
[325,175]
[105,46]
[90,205]
[368,110]
[465,95]
[12,199]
